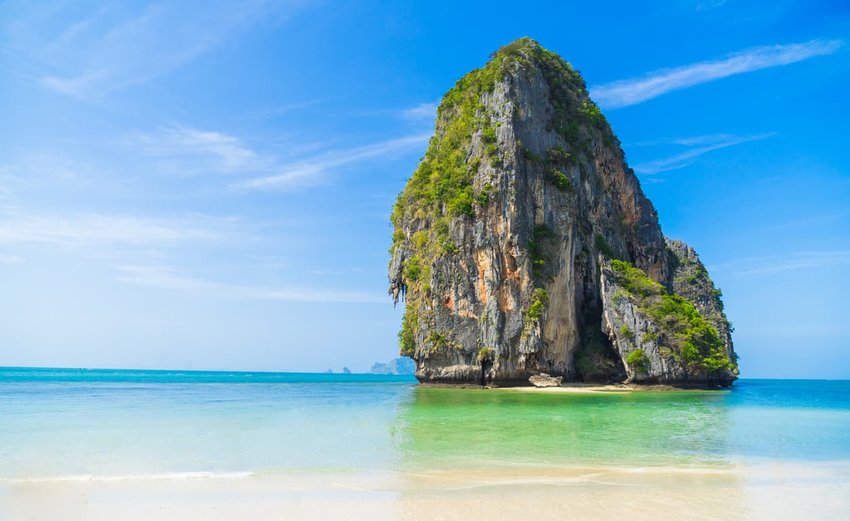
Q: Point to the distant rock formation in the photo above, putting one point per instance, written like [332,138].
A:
[398,366]
[523,244]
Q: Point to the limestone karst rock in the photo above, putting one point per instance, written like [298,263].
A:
[523,244]
[545,380]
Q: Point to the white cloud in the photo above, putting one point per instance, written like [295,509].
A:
[283,109]
[9,259]
[710,5]
[189,151]
[89,52]
[167,278]
[100,229]
[630,92]
[685,158]
[708,139]
[159,277]
[790,262]
[423,111]
[300,172]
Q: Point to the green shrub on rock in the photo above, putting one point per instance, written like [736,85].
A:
[638,360]
[693,340]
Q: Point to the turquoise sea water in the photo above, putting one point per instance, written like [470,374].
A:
[72,422]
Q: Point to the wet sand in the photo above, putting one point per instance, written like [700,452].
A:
[610,388]
[577,388]
[772,491]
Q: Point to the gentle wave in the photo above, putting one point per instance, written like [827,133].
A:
[131,477]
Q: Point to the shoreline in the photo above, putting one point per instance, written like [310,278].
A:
[772,489]
[577,388]
[615,388]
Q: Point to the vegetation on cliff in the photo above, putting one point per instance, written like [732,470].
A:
[497,235]
[441,188]
[442,184]
[688,336]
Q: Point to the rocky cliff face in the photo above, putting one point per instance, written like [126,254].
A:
[509,236]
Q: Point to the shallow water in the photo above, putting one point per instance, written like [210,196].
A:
[73,424]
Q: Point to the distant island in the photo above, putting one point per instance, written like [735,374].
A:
[345,370]
[398,366]
[523,244]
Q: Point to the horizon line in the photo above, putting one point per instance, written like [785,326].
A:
[2,367]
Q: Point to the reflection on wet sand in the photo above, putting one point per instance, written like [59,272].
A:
[511,455]
[579,493]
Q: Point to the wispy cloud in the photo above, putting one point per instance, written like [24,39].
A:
[283,109]
[710,144]
[707,139]
[304,171]
[420,112]
[9,259]
[829,329]
[190,151]
[87,53]
[630,92]
[789,262]
[710,5]
[168,278]
[186,151]
[101,229]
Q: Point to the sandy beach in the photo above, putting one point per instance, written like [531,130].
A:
[578,388]
[768,491]
[582,388]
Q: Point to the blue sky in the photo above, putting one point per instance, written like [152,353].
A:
[208,186]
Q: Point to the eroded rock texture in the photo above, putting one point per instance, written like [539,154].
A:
[502,236]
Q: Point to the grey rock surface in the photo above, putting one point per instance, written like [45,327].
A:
[691,280]
[544,380]
[560,197]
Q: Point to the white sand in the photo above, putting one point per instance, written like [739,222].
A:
[571,388]
[768,491]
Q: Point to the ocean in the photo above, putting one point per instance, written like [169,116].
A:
[67,425]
